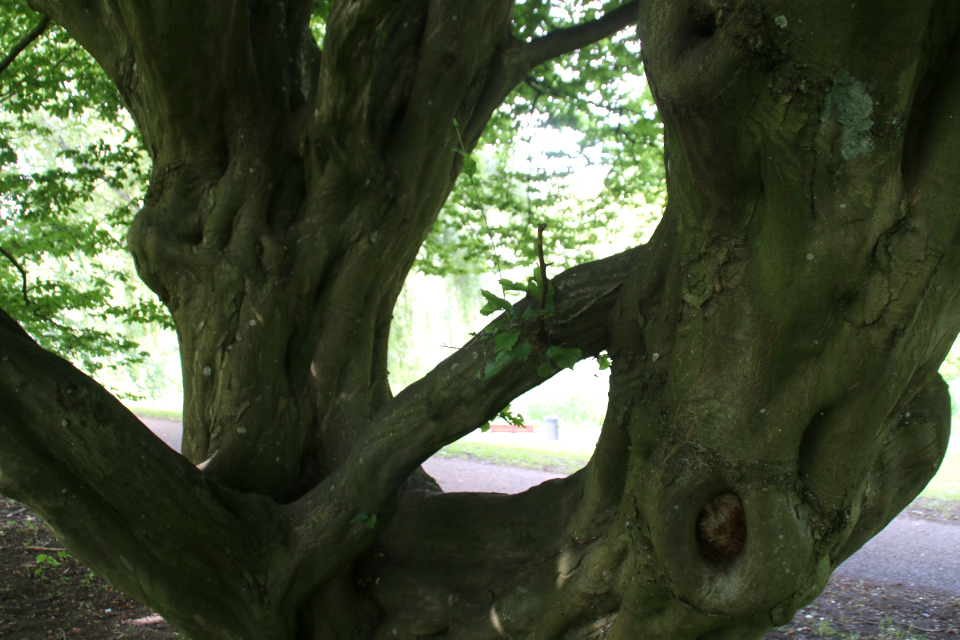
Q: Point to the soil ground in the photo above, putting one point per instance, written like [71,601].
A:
[45,593]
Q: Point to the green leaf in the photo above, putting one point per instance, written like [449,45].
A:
[510,285]
[515,419]
[603,359]
[534,287]
[493,366]
[7,154]
[485,427]
[545,370]
[490,369]
[521,352]
[470,165]
[494,303]
[371,521]
[360,517]
[563,357]
[506,340]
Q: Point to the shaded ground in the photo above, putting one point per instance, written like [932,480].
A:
[855,610]
[44,593]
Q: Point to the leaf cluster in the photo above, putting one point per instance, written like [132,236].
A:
[513,330]
[71,174]
[44,561]
[593,98]
[368,520]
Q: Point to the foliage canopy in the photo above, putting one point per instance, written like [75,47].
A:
[73,173]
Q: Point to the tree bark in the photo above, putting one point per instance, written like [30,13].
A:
[774,399]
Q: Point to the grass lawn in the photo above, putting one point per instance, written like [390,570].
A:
[573,450]
[523,455]
[946,484]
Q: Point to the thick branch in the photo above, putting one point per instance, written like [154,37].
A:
[907,460]
[72,452]
[448,403]
[24,43]
[452,400]
[556,43]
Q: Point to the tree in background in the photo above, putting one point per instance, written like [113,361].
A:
[774,400]
[71,176]
[81,164]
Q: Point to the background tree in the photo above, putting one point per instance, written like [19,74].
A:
[71,175]
[774,398]
[74,157]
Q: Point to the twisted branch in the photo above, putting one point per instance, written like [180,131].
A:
[24,43]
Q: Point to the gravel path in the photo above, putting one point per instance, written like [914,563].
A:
[911,552]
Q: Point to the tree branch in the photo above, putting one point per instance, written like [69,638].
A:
[72,452]
[23,273]
[24,43]
[544,289]
[561,41]
[450,402]
[519,58]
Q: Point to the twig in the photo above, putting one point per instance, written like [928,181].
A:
[541,326]
[24,43]
[483,212]
[23,273]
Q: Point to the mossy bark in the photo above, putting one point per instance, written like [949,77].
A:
[774,399]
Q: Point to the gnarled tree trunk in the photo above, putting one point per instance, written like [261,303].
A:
[774,399]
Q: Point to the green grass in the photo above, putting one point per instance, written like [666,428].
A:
[886,630]
[529,454]
[521,456]
[946,484]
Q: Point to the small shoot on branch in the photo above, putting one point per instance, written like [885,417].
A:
[507,416]
[369,520]
[510,344]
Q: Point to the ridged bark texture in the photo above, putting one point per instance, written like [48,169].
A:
[774,399]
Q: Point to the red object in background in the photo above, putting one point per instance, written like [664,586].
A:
[510,428]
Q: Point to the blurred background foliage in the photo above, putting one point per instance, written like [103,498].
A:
[578,146]
[71,176]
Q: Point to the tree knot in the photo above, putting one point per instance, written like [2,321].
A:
[722,528]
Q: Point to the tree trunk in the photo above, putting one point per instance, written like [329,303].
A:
[774,399]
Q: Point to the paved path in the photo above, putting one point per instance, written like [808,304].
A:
[916,553]
[912,552]
[464,475]
[168,431]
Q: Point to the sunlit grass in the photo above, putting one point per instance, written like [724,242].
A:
[573,450]
[523,455]
[575,446]
[946,484]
